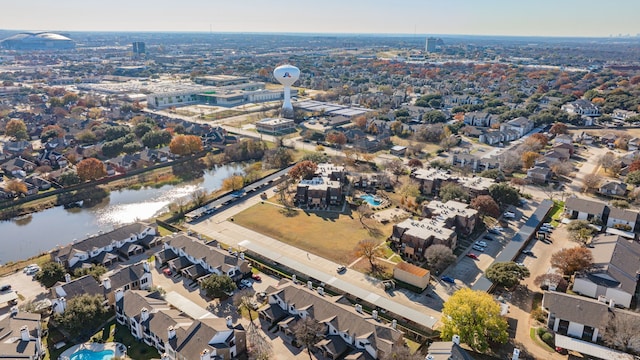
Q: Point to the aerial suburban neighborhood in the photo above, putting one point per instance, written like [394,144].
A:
[214,195]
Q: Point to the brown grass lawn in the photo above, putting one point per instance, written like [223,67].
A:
[329,235]
[385,269]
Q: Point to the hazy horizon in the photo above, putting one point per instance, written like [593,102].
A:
[543,18]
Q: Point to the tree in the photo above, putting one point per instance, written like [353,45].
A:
[156,138]
[370,250]
[434,116]
[452,191]
[572,260]
[396,167]
[475,317]
[364,211]
[607,161]
[529,159]
[308,332]
[410,188]
[185,145]
[360,121]
[69,178]
[258,346]
[547,279]
[244,301]
[83,314]
[504,194]
[507,274]
[217,285]
[16,129]
[303,170]
[336,137]
[51,131]
[591,181]
[91,169]
[277,158]
[415,163]
[623,332]
[541,138]
[16,186]
[633,177]
[486,206]
[50,273]
[558,128]
[96,270]
[402,352]
[233,182]
[439,257]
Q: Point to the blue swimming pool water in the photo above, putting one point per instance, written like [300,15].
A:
[370,199]
[85,354]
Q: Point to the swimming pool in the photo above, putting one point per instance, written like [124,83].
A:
[370,199]
[85,354]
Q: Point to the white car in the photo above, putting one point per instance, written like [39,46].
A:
[481,243]
[478,248]
[509,215]
[246,283]
[31,269]
[548,225]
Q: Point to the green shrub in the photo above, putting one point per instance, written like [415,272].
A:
[548,339]
[541,331]
[539,315]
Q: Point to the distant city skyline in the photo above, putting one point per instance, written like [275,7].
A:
[582,18]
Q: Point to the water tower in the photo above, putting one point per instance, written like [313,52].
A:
[287,75]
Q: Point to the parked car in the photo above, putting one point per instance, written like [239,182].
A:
[527,252]
[487,237]
[341,269]
[509,215]
[481,243]
[5,287]
[167,271]
[478,248]
[448,279]
[256,277]
[31,269]
[494,231]
[498,228]
[245,283]
[548,225]
[473,256]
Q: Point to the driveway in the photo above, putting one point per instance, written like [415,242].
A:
[25,286]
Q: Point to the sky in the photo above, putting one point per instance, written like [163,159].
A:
[584,18]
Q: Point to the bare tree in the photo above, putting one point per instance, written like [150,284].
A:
[364,211]
[591,181]
[439,257]
[258,346]
[396,167]
[198,197]
[608,160]
[368,249]
[623,332]
[243,300]
[308,332]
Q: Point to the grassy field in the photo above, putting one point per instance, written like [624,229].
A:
[330,235]
[12,267]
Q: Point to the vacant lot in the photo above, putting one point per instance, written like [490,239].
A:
[329,235]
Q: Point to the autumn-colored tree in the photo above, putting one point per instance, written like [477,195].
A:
[16,128]
[541,138]
[475,317]
[547,279]
[415,163]
[16,186]
[360,121]
[185,145]
[370,250]
[529,159]
[572,260]
[233,182]
[635,165]
[91,169]
[52,131]
[486,206]
[396,167]
[558,128]
[336,137]
[303,170]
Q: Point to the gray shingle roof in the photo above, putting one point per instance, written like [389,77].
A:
[577,309]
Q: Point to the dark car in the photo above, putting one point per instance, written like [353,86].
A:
[527,252]
[487,237]
[341,269]
[5,287]
[448,279]
[256,277]
[473,256]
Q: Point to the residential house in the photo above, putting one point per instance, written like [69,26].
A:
[474,163]
[17,147]
[63,291]
[608,139]
[412,275]
[619,114]
[539,174]
[347,333]
[613,188]
[398,150]
[38,182]
[567,147]
[431,179]
[447,350]
[583,138]
[107,248]
[481,119]
[475,185]
[581,107]
[576,316]
[633,144]
[413,237]
[582,209]
[615,272]
[623,219]
[175,334]
[455,215]
[18,167]
[563,138]
[195,260]
[131,277]
[21,336]
[520,125]
[559,153]
[492,137]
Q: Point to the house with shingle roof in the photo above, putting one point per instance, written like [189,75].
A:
[131,277]
[582,209]
[106,248]
[63,291]
[411,274]
[616,267]
[347,331]
[624,217]
[21,336]
[175,334]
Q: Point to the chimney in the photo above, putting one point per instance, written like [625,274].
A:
[456,339]
[429,357]
[359,308]
[119,294]
[171,332]
[67,277]
[14,311]
[24,333]
[145,265]
[106,283]
[374,314]
[63,303]
[310,285]
[516,354]
[144,314]
[242,255]
[165,357]
[204,355]
[219,246]
[294,278]
[602,299]
[229,321]
[612,304]
[321,290]
[394,324]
